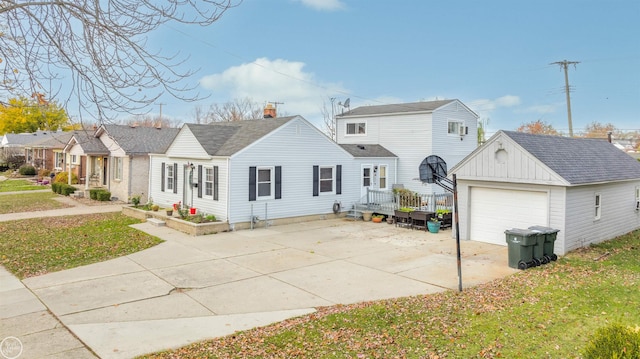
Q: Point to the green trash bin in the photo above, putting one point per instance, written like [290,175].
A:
[550,235]
[538,249]
[521,243]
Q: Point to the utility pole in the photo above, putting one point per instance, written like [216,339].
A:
[564,64]
[160,104]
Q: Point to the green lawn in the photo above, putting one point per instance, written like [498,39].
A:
[36,246]
[28,202]
[19,185]
[545,312]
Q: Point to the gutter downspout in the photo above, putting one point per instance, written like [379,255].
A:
[228,185]
[130,181]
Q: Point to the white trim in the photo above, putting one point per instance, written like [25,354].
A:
[357,125]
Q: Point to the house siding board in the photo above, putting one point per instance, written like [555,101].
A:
[185,145]
[412,136]
[618,215]
[519,166]
[305,147]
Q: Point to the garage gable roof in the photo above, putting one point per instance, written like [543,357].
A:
[579,160]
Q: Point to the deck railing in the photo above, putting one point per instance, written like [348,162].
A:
[386,202]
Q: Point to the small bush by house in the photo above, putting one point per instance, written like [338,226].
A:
[614,341]
[27,170]
[63,177]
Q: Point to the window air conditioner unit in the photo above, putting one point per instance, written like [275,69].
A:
[463,130]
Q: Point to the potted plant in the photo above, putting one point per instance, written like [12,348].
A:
[377,218]
[169,212]
[433,225]
[367,215]
[192,210]
[155,208]
[445,216]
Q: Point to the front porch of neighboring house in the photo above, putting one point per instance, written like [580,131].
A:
[91,170]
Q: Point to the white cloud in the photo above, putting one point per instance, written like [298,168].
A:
[488,105]
[542,109]
[275,80]
[324,5]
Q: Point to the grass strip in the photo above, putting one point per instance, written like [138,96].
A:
[19,185]
[29,202]
[37,246]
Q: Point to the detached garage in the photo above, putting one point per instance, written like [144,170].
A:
[586,188]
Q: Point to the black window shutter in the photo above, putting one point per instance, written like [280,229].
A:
[316,180]
[215,183]
[162,178]
[339,179]
[278,182]
[199,181]
[252,183]
[175,178]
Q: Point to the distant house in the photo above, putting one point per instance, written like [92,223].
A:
[15,144]
[586,188]
[47,153]
[412,131]
[272,169]
[116,157]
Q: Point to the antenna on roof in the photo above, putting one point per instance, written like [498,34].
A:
[346,104]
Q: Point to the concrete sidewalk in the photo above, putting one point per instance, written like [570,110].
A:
[193,288]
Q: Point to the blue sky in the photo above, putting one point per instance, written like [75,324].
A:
[493,55]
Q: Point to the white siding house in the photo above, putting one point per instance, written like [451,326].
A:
[272,168]
[413,131]
[586,188]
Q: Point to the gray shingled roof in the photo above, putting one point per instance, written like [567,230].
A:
[424,106]
[367,150]
[22,139]
[57,141]
[227,138]
[90,144]
[141,140]
[579,160]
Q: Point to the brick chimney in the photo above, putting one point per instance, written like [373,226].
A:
[269,111]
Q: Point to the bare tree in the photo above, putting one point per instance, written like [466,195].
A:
[237,110]
[149,121]
[329,121]
[100,47]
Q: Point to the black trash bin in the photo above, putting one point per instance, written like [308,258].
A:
[521,243]
[550,235]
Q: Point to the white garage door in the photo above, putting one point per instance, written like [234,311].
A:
[492,211]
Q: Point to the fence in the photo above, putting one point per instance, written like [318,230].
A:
[386,202]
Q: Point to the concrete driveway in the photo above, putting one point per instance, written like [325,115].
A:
[192,288]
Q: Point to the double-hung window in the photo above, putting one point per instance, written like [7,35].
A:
[598,206]
[326,179]
[117,168]
[264,183]
[170,177]
[208,181]
[382,177]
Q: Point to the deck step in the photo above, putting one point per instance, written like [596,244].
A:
[156,222]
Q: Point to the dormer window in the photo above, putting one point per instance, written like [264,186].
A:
[357,128]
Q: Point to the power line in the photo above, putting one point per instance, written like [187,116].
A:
[564,64]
